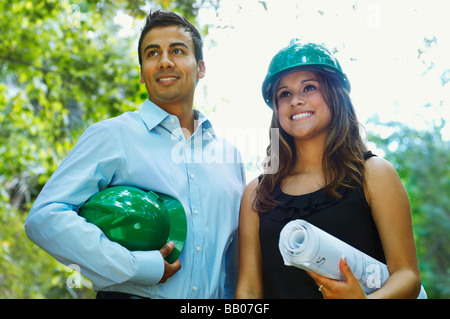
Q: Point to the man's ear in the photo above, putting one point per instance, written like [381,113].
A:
[142,81]
[201,69]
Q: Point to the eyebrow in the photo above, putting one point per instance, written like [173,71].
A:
[304,81]
[172,45]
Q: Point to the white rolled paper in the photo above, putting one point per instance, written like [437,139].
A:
[307,247]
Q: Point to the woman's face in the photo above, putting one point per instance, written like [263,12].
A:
[302,110]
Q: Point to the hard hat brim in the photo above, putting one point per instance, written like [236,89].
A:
[178,225]
[271,83]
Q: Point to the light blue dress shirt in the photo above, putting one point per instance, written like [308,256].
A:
[147,149]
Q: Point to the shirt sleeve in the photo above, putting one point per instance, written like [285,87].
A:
[54,224]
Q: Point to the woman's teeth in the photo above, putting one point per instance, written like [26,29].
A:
[301,115]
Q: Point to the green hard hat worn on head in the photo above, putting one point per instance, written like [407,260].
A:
[138,220]
[301,56]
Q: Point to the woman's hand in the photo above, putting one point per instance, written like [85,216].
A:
[350,288]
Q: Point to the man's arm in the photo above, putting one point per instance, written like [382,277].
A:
[54,224]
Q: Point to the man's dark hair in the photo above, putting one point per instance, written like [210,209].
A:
[163,19]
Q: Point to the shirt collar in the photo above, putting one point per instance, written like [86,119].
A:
[153,116]
[204,123]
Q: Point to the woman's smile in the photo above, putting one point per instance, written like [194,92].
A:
[301,115]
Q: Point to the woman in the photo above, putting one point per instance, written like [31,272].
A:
[327,177]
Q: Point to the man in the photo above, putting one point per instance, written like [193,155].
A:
[166,147]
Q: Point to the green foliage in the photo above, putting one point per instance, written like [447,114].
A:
[422,159]
[64,65]
[27,271]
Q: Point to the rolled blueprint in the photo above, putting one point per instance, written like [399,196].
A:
[307,247]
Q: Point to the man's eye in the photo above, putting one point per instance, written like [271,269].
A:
[178,51]
[152,53]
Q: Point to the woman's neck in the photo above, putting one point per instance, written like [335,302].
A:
[309,157]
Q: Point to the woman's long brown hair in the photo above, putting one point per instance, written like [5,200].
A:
[343,158]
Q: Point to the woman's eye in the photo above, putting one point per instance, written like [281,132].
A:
[284,94]
[309,88]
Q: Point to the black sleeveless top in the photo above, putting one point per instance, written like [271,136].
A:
[349,219]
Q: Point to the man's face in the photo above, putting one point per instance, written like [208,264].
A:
[169,69]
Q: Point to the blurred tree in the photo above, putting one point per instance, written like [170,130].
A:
[422,159]
[64,65]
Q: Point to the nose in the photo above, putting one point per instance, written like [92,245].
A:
[165,62]
[297,99]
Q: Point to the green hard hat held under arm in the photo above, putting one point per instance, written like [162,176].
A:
[138,220]
[301,56]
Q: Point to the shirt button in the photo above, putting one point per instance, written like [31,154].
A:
[196,211]
[198,248]
[194,288]
[172,120]
[192,175]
